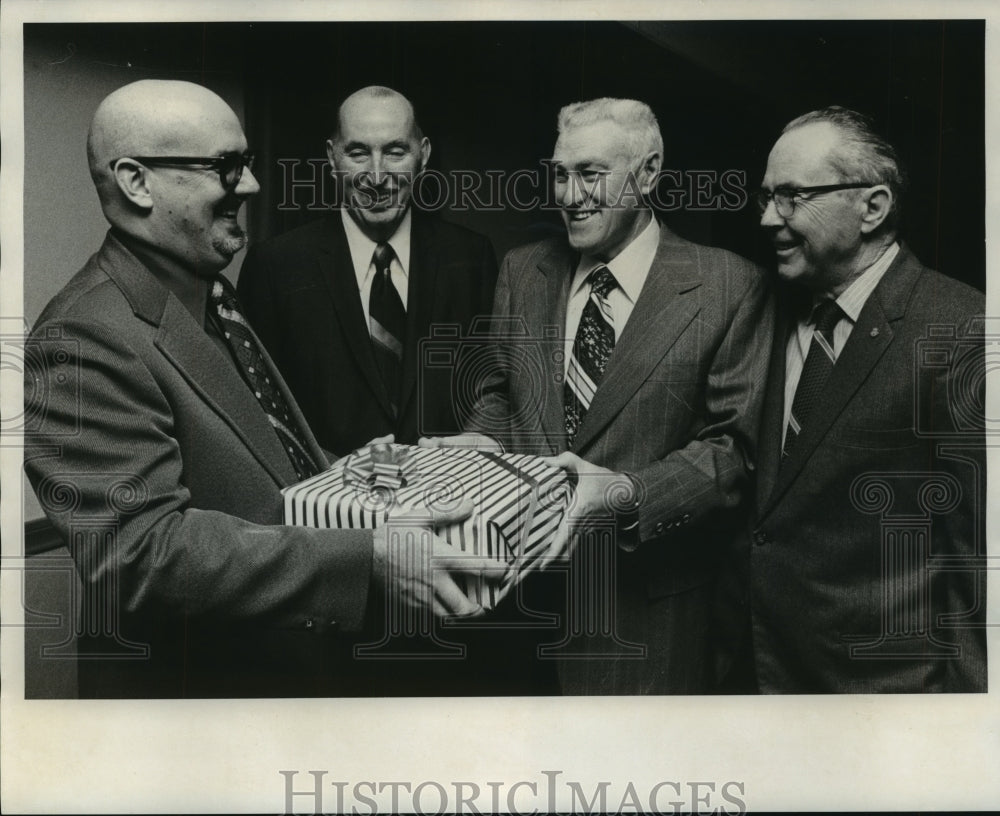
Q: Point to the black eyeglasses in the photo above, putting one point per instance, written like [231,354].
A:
[784,197]
[229,166]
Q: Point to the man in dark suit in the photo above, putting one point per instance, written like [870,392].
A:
[866,567]
[165,435]
[641,365]
[335,321]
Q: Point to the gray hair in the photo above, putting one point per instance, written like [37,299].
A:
[634,117]
[864,155]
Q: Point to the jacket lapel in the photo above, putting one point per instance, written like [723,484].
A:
[666,306]
[870,337]
[192,352]
[421,297]
[216,380]
[772,419]
[557,273]
[337,269]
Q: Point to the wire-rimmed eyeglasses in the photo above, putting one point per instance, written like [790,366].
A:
[784,197]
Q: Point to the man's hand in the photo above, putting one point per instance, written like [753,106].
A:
[388,439]
[476,441]
[414,564]
[599,492]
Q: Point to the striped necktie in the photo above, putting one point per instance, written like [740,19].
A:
[818,365]
[595,340]
[387,323]
[247,351]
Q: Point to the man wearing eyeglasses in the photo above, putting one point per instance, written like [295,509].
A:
[172,433]
[865,568]
[344,302]
[640,370]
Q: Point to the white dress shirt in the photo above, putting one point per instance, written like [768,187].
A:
[630,268]
[851,302]
[362,248]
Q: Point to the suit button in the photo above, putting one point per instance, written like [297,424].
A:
[309,624]
[687,518]
[333,624]
[760,538]
[659,527]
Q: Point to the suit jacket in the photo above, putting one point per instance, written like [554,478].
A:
[863,566]
[676,408]
[301,295]
[155,462]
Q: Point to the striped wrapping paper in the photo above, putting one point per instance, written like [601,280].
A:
[520,503]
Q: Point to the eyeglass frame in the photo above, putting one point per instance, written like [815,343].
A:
[764,197]
[216,163]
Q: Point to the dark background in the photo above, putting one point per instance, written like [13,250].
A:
[487,95]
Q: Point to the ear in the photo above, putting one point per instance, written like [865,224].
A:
[130,176]
[425,153]
[877,202]
[330,153]
[649,171]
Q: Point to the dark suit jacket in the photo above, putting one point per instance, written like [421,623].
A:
[677,407]
[162,473]
[301,295]
[863,567]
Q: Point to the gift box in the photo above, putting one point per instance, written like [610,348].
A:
[519,501]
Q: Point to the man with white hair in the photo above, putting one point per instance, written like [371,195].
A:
[867,571]
[645,364]
[166,434]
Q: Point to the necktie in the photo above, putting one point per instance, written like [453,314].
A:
[247,351]
[595,340]
[818,365]
[387,323]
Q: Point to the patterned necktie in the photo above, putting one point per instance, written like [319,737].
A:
[595,340]
[387,323]
[246,348]
[818,365]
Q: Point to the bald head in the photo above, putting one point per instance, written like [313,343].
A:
[183,207]
[152,117]
[377,97]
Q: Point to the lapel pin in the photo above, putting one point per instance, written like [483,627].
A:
[875,332]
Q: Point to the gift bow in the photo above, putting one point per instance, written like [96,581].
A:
[383,465]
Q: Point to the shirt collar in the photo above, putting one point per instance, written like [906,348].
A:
[362,247]
[854,297]
[189,288]
[630,266]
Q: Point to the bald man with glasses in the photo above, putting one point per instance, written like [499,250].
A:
[165,435]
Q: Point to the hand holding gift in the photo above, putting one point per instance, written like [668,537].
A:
[415,565]
[598,492]
[519,506]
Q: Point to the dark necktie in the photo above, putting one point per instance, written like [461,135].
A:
[815,371]
[387,323]
[247,351]
[595,340]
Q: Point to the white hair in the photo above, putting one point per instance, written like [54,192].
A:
[634,117]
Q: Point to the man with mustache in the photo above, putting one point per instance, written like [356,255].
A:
[343,303]
[165,435]
[866,571]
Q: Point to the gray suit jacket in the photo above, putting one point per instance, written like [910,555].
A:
[865,571]
[677,408]
[157,465]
